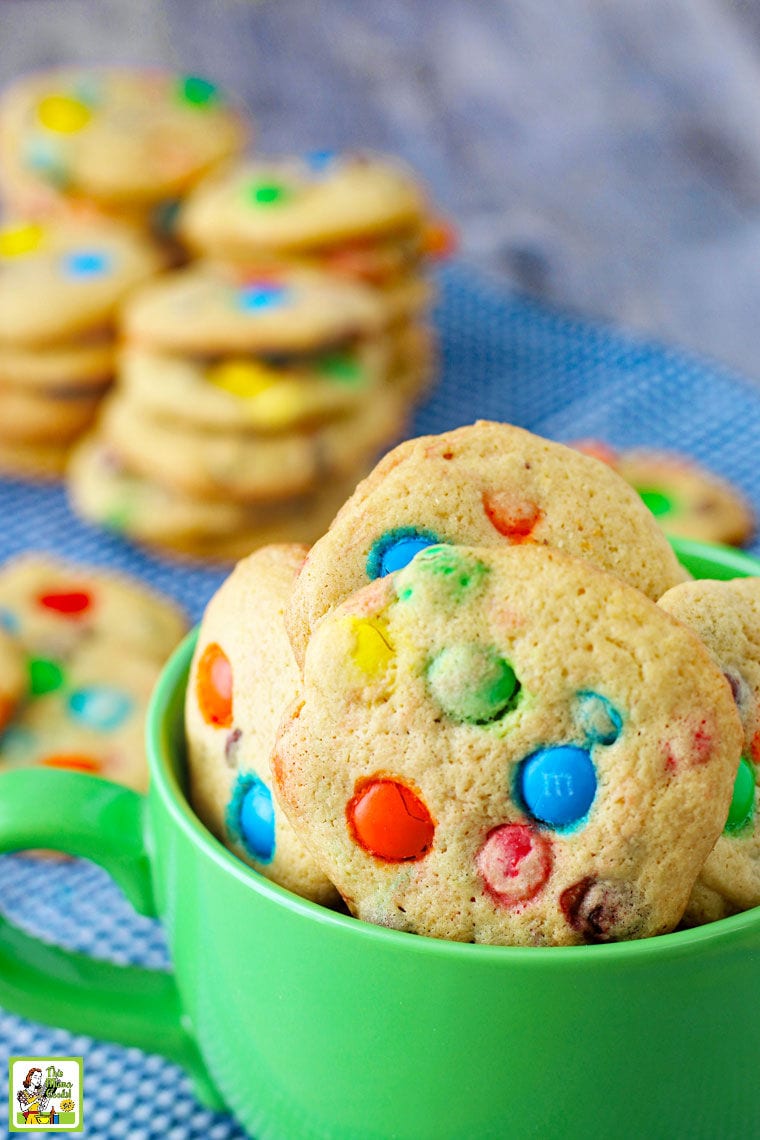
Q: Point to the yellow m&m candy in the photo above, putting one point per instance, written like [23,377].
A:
[371,651]
[63,114]
[243,378]
[18,240]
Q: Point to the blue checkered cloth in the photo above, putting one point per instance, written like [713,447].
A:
[503,358]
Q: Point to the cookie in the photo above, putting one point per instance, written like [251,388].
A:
[243,676]
[509,745]
[414,358]
[484,484]
[307,206]
[406,300]
[687,499]
[119,137]
[83,365]
[378,261]
[42,462]
[726,616]
[60,281]
[245,466]
[103,491]
[12,675]
[52,606]
[243,392]
[86,713]
[34,416]
[209,310]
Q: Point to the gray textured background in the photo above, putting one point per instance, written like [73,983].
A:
[602,154]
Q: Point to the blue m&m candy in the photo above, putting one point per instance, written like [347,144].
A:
[557,785]
[100,707]
[252,298]
[42,153]
[319,161]
[8,620]
[600,720]
[17,744]
[396,548]
[256,820]
[86,263]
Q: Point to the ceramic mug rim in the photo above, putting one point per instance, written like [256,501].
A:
[166,784]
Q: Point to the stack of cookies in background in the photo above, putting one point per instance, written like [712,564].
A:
[92,161]
[361,216]
[258,384]
[61,283]
[245,412]
[279,351]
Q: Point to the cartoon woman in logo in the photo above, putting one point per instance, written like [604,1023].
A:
[30,1097]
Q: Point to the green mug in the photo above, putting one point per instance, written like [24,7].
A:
[307,1023]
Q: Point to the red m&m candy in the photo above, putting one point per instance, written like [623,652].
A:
[68,603]
[514,863]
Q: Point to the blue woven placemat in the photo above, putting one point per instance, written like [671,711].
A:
[502,358]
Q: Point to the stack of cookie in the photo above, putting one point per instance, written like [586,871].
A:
[80,652]
[362,216]
[92,164]
[258,384]
[492,732]
[248,407]
[61,283]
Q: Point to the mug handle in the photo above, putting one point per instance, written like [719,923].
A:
[103,822]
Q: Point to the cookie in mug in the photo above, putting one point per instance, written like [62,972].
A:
[509,745]
[242,678]
[726,616]
[489,484]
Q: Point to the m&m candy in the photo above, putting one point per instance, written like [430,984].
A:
[256,822]
[63,114]
[86,263]
[557,784]
[371,652]
[15,241]
[514,863]
[396,549]
[472,683]
[387,819]
[214,686]
[67,603]
[743,798]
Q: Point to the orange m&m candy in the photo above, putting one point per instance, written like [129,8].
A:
[214,686]
[389,820]
[513,517]
[440,239]
[76,761]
